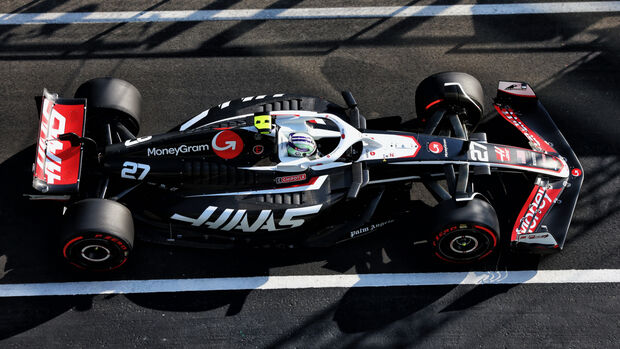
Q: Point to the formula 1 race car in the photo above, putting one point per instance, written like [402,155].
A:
[236,174]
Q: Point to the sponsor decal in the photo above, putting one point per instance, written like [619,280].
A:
[521,156]
[368,229]
[57,162]
[227,144]
[535,140]
[543,238]
[52,125]
[182,149]
[258,149]
[540,201]
[464,226]
[229,219]
[112,239]
[502,154]
[533,236]
[291,179]
[435,147]
[359,231]
[576,172]
[445,148]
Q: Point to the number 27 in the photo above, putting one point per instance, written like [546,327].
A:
[479,154]
[130,170]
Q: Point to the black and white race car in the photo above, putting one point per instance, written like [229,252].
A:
[224,178]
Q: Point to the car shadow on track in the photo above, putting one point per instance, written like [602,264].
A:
[30,254]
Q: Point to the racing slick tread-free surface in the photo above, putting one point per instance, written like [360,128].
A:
[105,223]
[432,90]
[474,217]
[110,99]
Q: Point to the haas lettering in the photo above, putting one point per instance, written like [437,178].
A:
[52,125]
[238,219]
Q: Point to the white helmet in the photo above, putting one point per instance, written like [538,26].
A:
[300,145]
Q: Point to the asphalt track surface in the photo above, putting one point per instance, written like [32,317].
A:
[182,68]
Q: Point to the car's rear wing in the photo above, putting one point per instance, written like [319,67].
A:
[58,163]
[542,223]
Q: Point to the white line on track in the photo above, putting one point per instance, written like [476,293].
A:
[308,13]
[312,281]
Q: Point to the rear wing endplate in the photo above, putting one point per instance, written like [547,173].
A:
[58,164]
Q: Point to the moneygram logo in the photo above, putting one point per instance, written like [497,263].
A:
[182,149]
[227,144]
[435,147]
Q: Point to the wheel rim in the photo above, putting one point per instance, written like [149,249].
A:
[95,253]
[464,244]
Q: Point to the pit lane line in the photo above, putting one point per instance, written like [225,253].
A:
[308,13]
[586,276]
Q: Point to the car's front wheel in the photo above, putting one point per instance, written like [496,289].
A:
[464,232]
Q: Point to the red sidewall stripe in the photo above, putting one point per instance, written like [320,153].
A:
[479,258]
[433,103]
[64,250]
[490,233]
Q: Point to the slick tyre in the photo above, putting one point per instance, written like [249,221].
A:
[431,96]
[111,101]
[97,235]
[464,232]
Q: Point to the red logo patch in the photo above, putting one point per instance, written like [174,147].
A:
[502,154]
[289,179]
[576,172]
[227,144]
[435,147]
[258,149]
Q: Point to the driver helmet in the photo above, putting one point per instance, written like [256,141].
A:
[300,145]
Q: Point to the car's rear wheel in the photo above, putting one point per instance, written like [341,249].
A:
[97,235]
[464,232]
[112,103]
